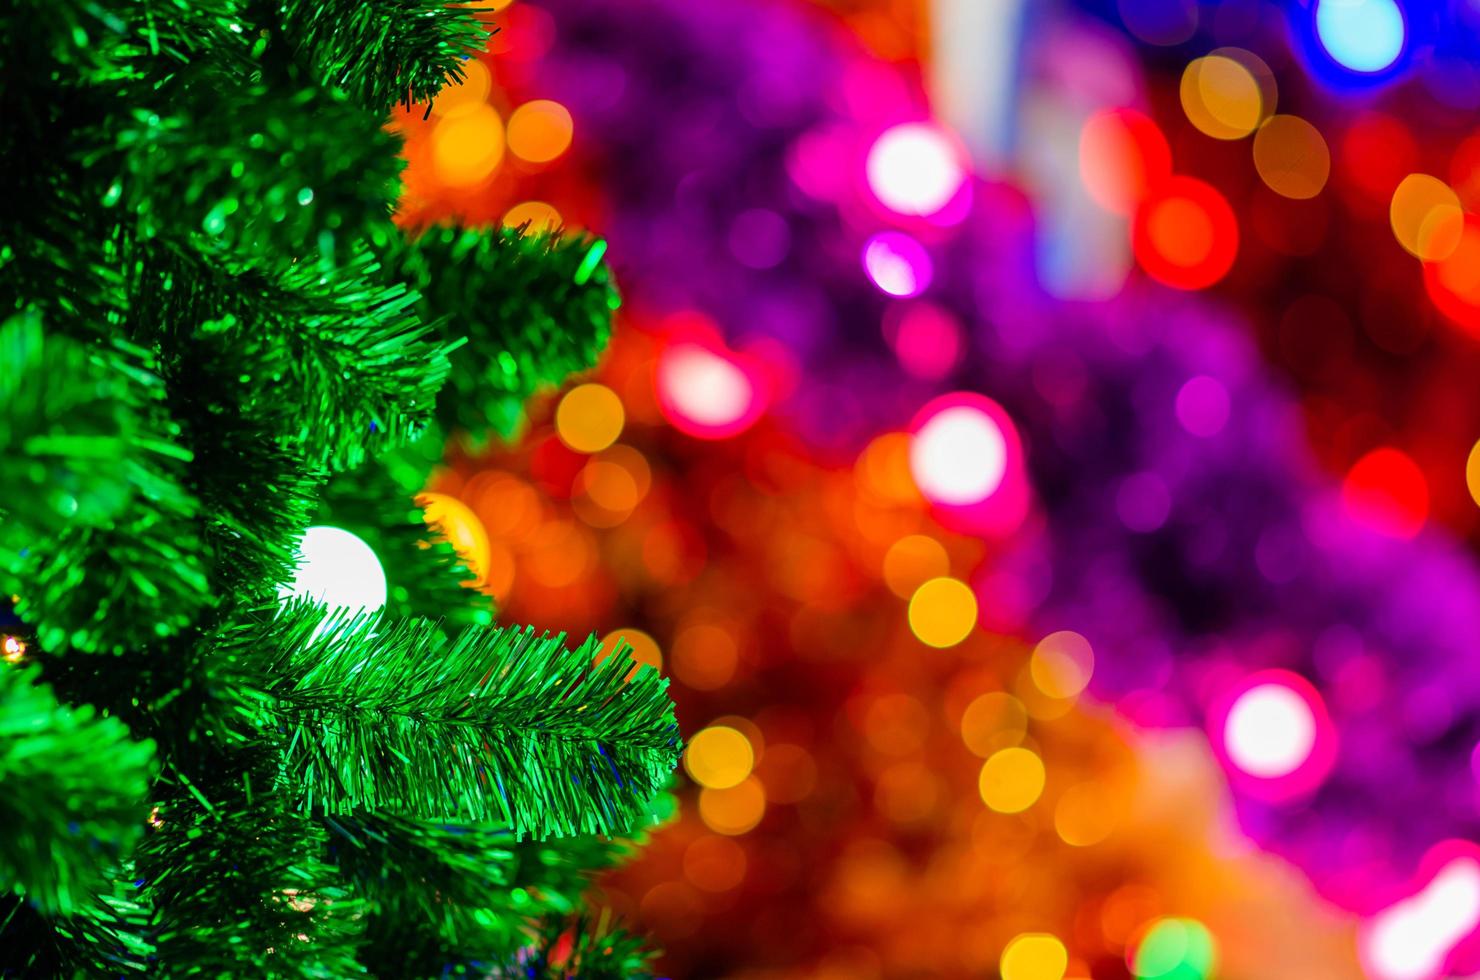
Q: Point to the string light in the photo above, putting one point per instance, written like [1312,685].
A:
[942,612]
[915,169]
[12,649]
[338,569]
[1361,35]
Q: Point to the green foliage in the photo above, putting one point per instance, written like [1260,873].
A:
[494,725]
[214,337]
[384,52]
[534,307]
[72,788]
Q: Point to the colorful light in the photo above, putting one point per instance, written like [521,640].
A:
[1274,734]
[942,612]
[468,146]
[1122,156]
[1291,157]
[719,757]
[1202,406]
[1361,35]
[1034,956]
[913,560]
[1426,216]
[338,569]
[897,264]
[926,339]
[1472,473]
[734,810]
[1174,949]
[538,215]
[706,392]
[915,169]
[1386,491]
[958,456]
[540,131]
[1412,939]
[1221,97]
[1011,780]
[589,418]
[1061,664]
[1185,234]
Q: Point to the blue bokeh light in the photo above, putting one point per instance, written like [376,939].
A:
[1361,35]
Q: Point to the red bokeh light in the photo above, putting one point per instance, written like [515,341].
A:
[1386,491]
[1185,234]
[1123,156]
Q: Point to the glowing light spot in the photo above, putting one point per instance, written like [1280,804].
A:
[641,648]
[706,393]
[589,418]
[993,721]
[915,169]
[471,91]
[467,147]
[1292,157]
[1426,216]
[1386,491]
[959,456]
[537,215]
[942,612]
[1062,664]
[456,522]
[1270,731]
[1185,234]
[540,131]
[337,569]
[734,810]
[1221,97]
[911,561]
[1202,406]
[897,264]
[1412,939]
[1361,35]
[1034,956]
[12,649]
[1122,156]
[1174,949]
[927,340]
[1011,780]
[719,757]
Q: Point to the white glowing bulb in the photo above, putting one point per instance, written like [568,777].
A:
[959,456]
[339,570]
[914,169]
[704,393]
[1411,939]
[1270,731]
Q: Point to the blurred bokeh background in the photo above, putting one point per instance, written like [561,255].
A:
[1039,444]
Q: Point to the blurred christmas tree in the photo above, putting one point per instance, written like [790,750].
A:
[236,739]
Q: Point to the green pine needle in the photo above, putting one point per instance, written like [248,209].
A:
[72,789]
[535,308]
[495,725]
[384,52]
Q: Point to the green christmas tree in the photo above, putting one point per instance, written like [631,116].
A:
[213,338]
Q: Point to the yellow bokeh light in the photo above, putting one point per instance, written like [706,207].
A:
[719,757]
[1426,217]
[642,648]
[538,215]
[942,612]
[472,91]
[468,146]
[1292,157]
[540,131]
[912,560]
[1062,664]
[1034,956]
[461,527]
[734,810]
[1084,815]
[589,418]
[994,721]
[1011,780]
[1221,97]
[1472,473]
